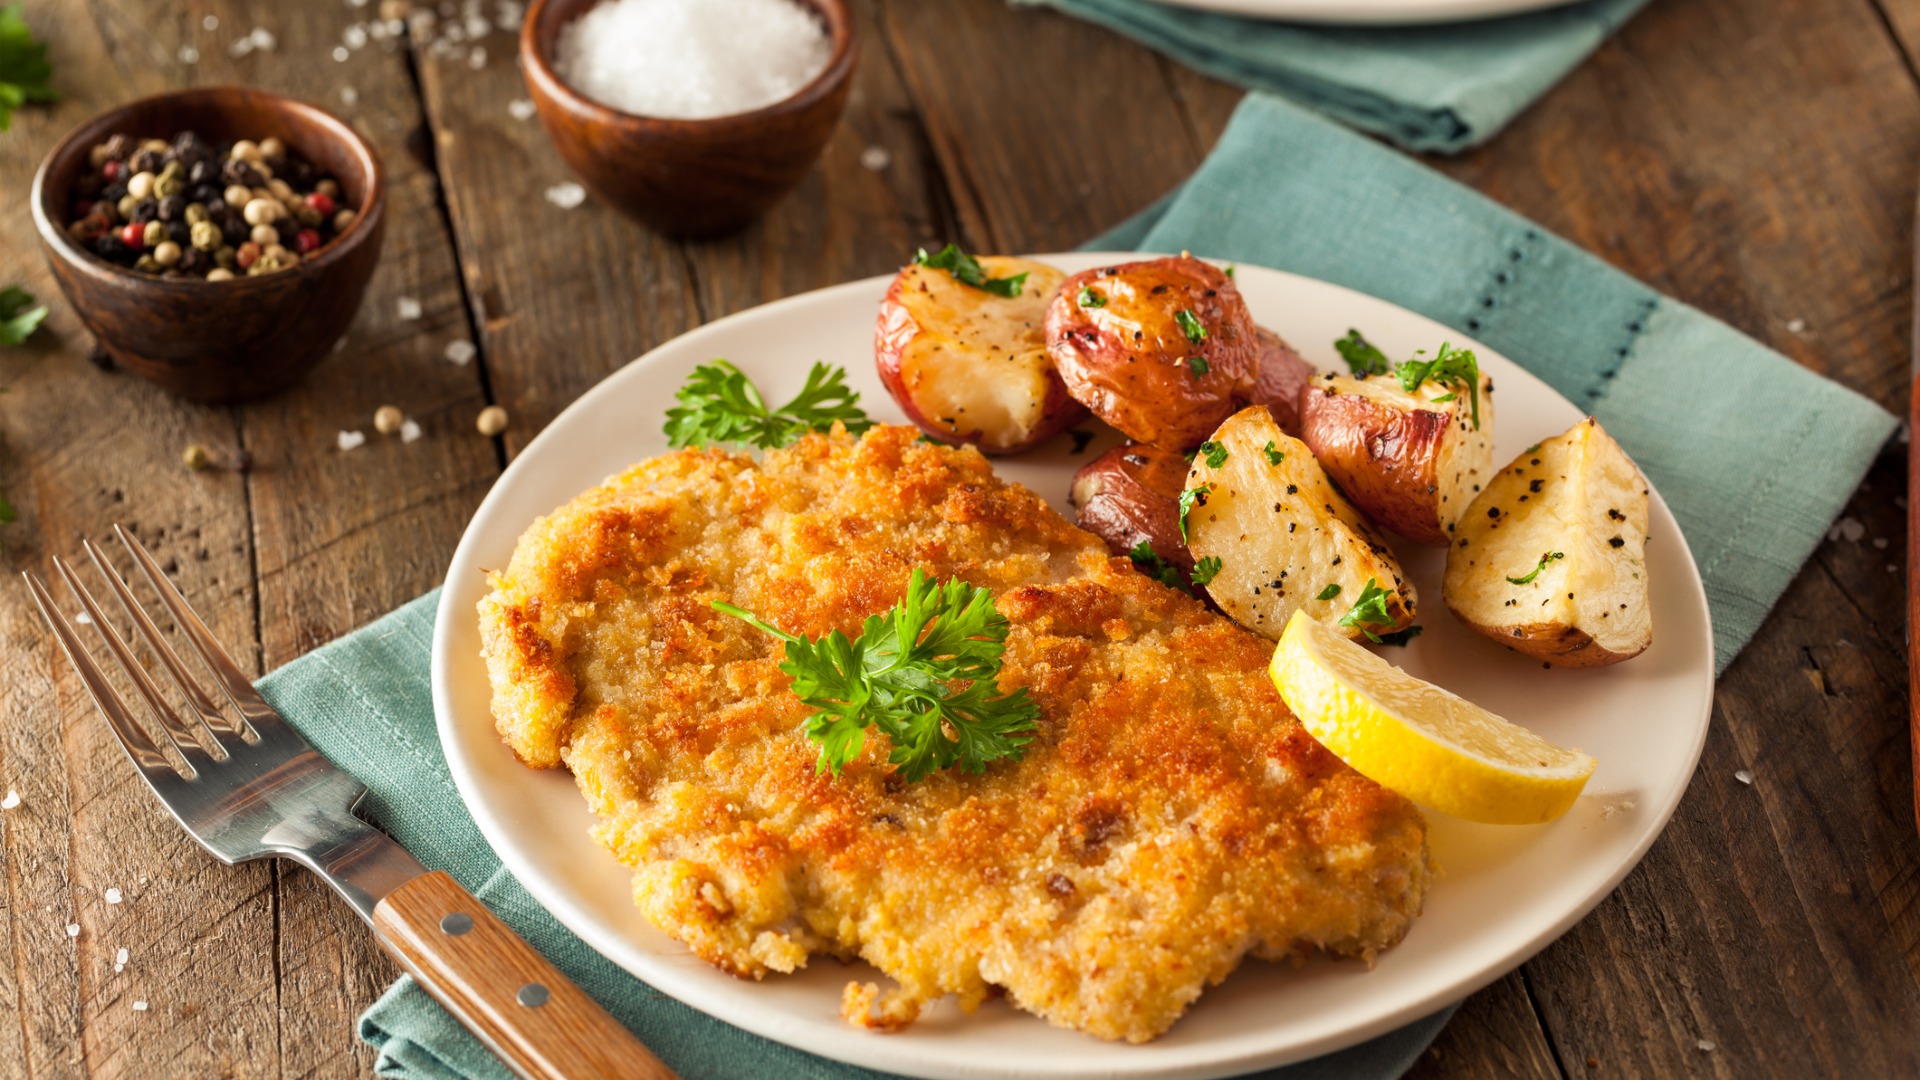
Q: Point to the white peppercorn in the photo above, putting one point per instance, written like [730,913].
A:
[166,253]
[245,150]
[236,195]
[264,235]
[141,185]
[387,419]
[492,421]
[272,149]
[262,211]
[219,273]
[342,220]
[281,190]
[328,188]
[156,146]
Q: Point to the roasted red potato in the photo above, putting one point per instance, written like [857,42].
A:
[1283,374]
[1164,350]
[1411,461]
[1551,559]
[970,366]
[1130,496]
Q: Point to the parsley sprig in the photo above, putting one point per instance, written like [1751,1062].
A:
[1541,565]
[899,676]
[1448,365]
[19,316]
[1369,611]
[1190,325]
[967,271]
[24,71]
[1089,298]
[1216,453]
[719,404]
[1206,569]
[1362,356]
[1274,456]
[1189,499]
[1148,561]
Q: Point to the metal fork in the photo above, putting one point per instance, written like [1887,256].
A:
[250,786]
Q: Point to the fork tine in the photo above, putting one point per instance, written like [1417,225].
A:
[171,728]
[213,722]
[253,708]
[140,750]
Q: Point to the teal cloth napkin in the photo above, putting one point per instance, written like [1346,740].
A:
[1285,189]
[1442,88]
[1677,388]
[364,702]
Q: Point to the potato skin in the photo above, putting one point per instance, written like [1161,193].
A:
[938,341]
[1385,460]
[1131,494]
[1131,362]
[1283,375]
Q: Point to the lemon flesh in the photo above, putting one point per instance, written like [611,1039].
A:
[1410,736]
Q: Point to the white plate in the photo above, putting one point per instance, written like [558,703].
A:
[1502,894]
[1371,12]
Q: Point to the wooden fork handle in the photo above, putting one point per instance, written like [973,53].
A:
[529,1014]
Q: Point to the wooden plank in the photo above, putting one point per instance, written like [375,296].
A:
[1494,1035]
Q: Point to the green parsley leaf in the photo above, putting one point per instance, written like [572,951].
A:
[1449,365]
[6,511]
[1190,326]
[18,318]
[24,71]
[1369,611]
[1089,298]
[1362,357]
[899,676]
[1328,593]
[718,404]
[1148,561]
[1198,365]
[1189,499]
[1400,637]
[1230,269]
[1274,457]
[1216,453]
[967,271]
[1541,565]
[1206,569]
[1535,448]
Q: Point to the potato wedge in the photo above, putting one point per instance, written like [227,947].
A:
[1286,540]
[1551,561]
[1283,374]
[1131,495]
[1410,462]
[969,366]
[1164,350]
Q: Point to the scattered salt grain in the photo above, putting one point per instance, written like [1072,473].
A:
[211,22]
[409,431]
[1608,810]
[566,196]
[73,929]
[1892,569]
[1705,1045]
[83,618]
[349,96]
[1743,776]
[12,800]
[355,36]
[688,59]
[1847,528]
[875,158]
[408,308]
[189,54]
[113,896]
[461,352]
[1880,542]
[477,59]
[1797,326]
[263,39]
[520,109]
[139,1006]
[241,47]
[351,439]
[358,3]
[120,958]
[340,54]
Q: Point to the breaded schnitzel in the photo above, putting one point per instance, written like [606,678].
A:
[1169,817]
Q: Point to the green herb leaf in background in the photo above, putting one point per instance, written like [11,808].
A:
[1369,611]
[18,315]
[1362,357]
[967,271]
[718,404]
[1148,561]
[24,71]
[1449,365]
[1190,326]
[1189,499]
[1216,453]
[898,676]
[1206,569]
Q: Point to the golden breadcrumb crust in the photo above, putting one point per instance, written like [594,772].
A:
[1169,817]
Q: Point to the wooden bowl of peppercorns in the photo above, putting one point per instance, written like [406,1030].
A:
[211,301]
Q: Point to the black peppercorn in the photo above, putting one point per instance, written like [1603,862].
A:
[298,172]
[171,207]
[288,228]
[203,192]
[180,232]
[234,229]
[193,260]
[109,247]
[190,149]
[118,147]
[97,356]
[144,161]
[144,211]
[114,192]
[216,207]
[236,171]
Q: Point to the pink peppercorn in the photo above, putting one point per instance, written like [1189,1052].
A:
[247,255]
[306,241]
[111,171]
[134,235]
[320,202]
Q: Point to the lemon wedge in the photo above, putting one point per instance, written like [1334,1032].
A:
[1413,737]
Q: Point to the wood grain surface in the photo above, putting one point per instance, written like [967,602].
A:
[1755,158]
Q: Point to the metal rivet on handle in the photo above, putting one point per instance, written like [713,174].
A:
[532,995]
[457,923]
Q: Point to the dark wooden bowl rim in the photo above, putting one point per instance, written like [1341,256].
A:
[82,138]
[835,13]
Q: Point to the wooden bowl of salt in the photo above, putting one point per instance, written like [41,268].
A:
[692,117]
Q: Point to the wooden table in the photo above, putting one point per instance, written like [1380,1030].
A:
[1753,157]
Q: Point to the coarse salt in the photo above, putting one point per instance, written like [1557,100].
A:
[875,158]
[692,59]
[408,308]
[566,196]
[12,800]
[263,39]
[189,54]
[211,22]
[83,618]
[120,956]
[461,352]
[139,1006]
[1705,1045]
[73,929]
[409,431]
[477,59]
[1743,776]
[351,439]
[520,109]
[112,895]
[340,54]
[348,95]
